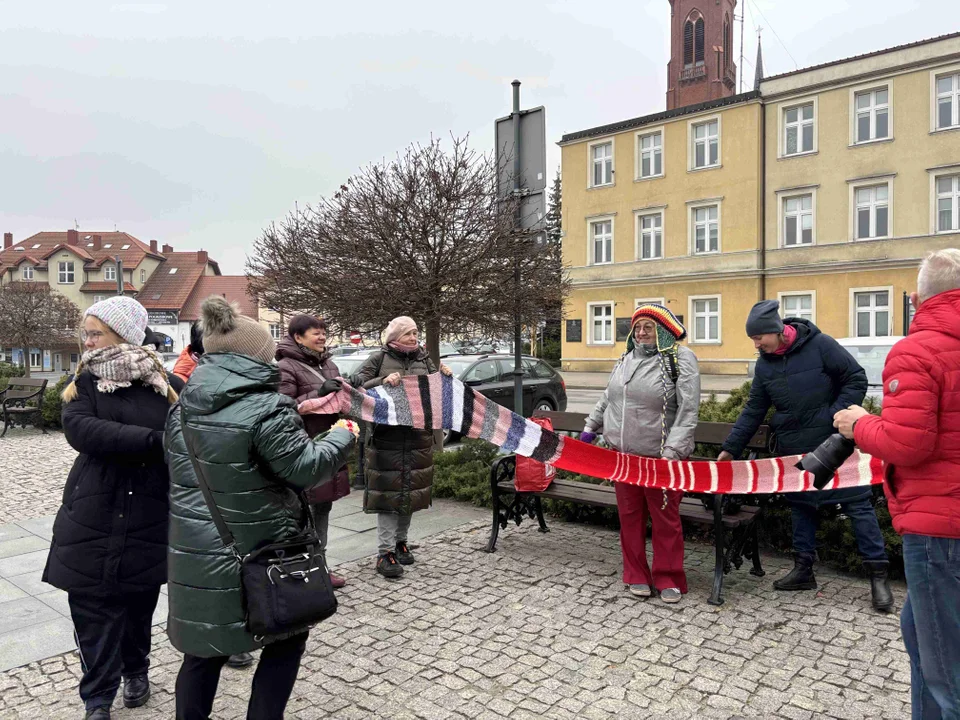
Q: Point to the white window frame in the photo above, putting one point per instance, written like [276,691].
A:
[946,171]
[859,90]
[638,222]
[638,139]
[26,272]
[692,207]
[99,298]
[613,162]
[782,197]
[66,275]
[591,221]
[110,272]
[39,353]
[782,128]
[143,275]
[276,331]
[613,323]
[781,296]
[934,98]
[692,320]
[861,183]
[637,302]
[691,143]
[853,309]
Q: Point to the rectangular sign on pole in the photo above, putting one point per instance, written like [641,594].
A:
[533,151]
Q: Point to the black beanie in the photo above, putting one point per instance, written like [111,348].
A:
[764,318]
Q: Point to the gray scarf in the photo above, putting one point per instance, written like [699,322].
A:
[118,366]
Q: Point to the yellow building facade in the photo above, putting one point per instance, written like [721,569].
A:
[824,190]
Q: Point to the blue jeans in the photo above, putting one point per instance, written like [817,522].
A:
[930,623]
[856,504]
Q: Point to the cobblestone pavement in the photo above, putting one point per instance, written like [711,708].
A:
[544,629]
[33,470]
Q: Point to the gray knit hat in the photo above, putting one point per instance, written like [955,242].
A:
[124,315]
[764,318]
[226,330]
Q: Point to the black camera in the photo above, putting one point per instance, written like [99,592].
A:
[824,462]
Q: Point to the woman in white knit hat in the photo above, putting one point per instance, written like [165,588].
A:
[109,547]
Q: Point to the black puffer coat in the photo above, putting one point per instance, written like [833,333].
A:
[814,379]
[398,461]
[110,535]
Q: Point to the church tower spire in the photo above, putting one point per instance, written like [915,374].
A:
[758,76]
[701,66]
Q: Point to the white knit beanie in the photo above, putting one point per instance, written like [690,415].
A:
[124,315]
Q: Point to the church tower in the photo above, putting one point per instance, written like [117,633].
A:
[701,66]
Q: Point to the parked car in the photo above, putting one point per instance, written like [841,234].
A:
[871,353]
[492,375]
[169,360]
[349,364]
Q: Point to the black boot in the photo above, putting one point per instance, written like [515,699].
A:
[136,691]
[879,586]
[100,713]
[801,577]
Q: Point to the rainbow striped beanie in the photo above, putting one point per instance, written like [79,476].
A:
[669,329]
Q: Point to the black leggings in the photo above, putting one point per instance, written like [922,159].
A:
[272,683]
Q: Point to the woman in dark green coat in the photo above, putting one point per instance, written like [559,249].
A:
[250,445]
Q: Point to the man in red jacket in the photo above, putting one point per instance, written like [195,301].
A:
[918,436]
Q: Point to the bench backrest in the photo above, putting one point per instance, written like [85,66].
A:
[708,433]
[18,387]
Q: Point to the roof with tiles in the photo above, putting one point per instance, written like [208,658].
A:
[106,286]
[235,288]
[171,284]
[93,247]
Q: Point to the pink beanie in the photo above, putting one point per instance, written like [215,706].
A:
[397,328]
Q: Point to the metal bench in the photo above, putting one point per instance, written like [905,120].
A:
[22,402]
[735,533]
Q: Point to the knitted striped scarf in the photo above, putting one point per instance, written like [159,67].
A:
[439,402]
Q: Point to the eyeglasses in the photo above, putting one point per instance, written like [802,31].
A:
[93,335]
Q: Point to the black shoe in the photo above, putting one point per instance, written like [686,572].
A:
[100,713]
[136,691]
[801,577]
[880,592]
[388,566]
[240,660]
[404,556]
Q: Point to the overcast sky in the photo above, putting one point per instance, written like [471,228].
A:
[197,123]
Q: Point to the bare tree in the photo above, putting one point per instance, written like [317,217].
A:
[424,235]
[34,316]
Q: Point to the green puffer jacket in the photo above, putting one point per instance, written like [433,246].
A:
[256,457]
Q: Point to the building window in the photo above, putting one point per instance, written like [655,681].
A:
[109,272]
[706,144]
[26,272]
[65,269]
[601,167]
[706,319]
[799,305]
[948,203]
[36,360]
[601,323]
[99,298]
[872,212]
[601,242]
[948,101]
[688,44]
[276,331]
[873,115]
[706,229]
[698,33]
[650,147]
[143,275]
[651,236]
[727,46]
[872,313]
[798,220]
[798,129]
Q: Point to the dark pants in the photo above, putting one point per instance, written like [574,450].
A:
[113,634]
[321,520]
[930,622]
[272,683]
[855,503]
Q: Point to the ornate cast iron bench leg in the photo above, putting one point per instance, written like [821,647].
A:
[495,529]
[539,509]
[757,568]
[716,596]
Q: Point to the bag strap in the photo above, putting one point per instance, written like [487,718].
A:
[313,370]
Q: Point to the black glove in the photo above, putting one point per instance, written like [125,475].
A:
[330,386]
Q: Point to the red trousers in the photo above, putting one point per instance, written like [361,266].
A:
[634,505]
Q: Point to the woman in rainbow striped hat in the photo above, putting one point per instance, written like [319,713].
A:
[650,407]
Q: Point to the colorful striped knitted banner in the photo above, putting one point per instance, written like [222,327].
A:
[439,402]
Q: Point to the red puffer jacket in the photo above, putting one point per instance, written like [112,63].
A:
[918,433]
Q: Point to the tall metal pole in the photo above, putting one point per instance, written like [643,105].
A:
[517,190]
[743,13]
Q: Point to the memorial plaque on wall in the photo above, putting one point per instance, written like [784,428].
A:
[574,331]
[623,328]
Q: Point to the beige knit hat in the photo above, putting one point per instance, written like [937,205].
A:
[226,330]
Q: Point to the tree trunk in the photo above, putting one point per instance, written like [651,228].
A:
[26,362]
[432,327]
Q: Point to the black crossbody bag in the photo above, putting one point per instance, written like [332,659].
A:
[285,585]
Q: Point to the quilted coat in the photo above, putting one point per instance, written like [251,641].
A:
[301,375]
[256,457]
[398,461]
[110,534]
[918,433]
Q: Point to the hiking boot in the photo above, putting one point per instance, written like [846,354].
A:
[880,593]
[671,595]
[337,581]
[801,577]
[640,590]
[136,691]
[388,566]
[240,660]
[404,556]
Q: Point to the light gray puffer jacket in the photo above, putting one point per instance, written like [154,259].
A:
[630,410]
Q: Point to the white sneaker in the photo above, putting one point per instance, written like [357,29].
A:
[671,595]
[640,590]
